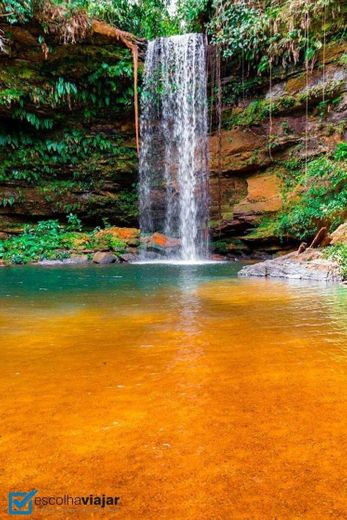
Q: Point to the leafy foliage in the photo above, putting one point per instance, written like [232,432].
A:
[339,254]
[260,110]
[260,34]
[52,241]
[322,200]
[240,30]
[193,14]
[69,20]
[146,18]
[16,10]
[106,84]
[36,243]
[32,159]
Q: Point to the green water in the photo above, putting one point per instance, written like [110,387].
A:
[38,282]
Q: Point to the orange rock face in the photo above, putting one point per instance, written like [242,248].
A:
[264,195]
[242,149]
[125,234]
[158,239]
[340,235]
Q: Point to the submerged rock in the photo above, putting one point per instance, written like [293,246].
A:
[104,258]
[310,265]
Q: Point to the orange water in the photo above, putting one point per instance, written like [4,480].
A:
[188,396]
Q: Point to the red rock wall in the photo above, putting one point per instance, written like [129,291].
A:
[248,186]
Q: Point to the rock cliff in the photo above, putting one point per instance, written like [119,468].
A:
[67,137]
[301,116]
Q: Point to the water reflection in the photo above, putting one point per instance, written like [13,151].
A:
[189,304]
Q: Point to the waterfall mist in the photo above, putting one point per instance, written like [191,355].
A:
[174,149]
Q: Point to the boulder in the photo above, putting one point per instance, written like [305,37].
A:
[164,241]
[160,243]
[77,259]
[72,260]
[104,258]
[339,236]
[309,265]
[129,257]
[48,263]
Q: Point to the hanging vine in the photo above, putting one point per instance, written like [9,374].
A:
[306,23]
[261,30]
[324,50]
[219,133]
[212,75]
[133,44]
[270,112]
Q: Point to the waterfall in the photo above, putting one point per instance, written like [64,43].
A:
[174,144]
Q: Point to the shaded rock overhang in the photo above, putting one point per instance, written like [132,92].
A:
[20,37]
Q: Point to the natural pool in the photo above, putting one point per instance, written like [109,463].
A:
[188,392]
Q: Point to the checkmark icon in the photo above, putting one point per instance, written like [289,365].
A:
[20,502]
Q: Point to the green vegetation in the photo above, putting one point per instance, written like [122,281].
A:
[339,254]
[314,197]
[46,140]
[32,159]
[17,10]
[220,246]
[266,33]
[104,85]
[46,240]
[49,240]
[65,110]
[260,110]
[277,31]
[147,18]
[68,164]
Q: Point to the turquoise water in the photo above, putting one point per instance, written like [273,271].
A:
[55,282]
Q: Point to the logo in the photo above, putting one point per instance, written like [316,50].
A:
[21,503]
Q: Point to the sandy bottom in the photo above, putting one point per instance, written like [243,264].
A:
[223,400]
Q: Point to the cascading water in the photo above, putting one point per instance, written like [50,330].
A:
[174,144]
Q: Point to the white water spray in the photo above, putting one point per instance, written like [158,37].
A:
[174,151]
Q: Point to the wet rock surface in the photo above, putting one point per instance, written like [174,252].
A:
[160,245]
[72,260]
[310,265]
[104,258]
[129,257]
